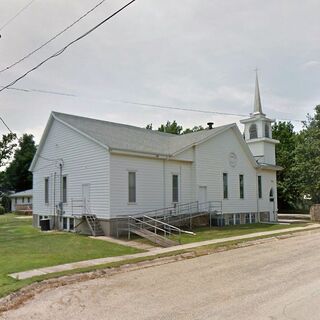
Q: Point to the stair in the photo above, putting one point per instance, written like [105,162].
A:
[94,225]
[155,238]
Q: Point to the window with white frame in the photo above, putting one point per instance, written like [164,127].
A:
[253,132]
[225,185]
[175,188]
[241,186]
[64,189]
[46,190]
[260,187]
[132,187]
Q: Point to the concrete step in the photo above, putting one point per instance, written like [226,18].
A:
[155,238]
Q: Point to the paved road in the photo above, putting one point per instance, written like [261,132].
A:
[275,280]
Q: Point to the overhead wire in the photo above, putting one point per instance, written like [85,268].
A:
[150,105]
[16,15]
[53,38]
[67,46]
[6,125]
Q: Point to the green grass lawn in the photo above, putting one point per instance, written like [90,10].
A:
[207,233]
[23,247]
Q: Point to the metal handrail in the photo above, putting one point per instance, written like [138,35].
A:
[170,226]
[176,208]
[148,224]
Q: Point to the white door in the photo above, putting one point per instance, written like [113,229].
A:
[202,194]
[86,197]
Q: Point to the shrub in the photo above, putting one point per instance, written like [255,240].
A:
[2,210]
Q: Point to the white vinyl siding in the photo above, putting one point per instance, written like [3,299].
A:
[84,162]
[153,183]
[212,160]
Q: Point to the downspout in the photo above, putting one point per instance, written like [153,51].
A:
[61,191]
[164,183]
[257,195]
[54,200]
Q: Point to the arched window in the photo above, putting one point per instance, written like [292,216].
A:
[253,131]
[271,196]
[266,131]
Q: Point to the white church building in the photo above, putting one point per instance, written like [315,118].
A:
[114,170]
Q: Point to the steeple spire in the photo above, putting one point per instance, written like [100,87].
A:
[257,100]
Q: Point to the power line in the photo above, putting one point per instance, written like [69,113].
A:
[16,15]
[53,38]
[68,45]
[150,105]
[5,125]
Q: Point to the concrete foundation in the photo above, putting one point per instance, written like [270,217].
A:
[117,227]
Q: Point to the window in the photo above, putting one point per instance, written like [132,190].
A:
[271,196]
[266,131]
[15,200]
[253,131]
[231,220]
[225,186]
[46,190]
[28,199]
[241,185]
[175,188]
[22,199]
[253,217]
[132,187]
[259,187]
[238,218]
[64,189]
[247,217]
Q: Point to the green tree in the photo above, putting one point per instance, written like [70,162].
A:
[307,166]
[170,127]
[194,129]
[17,175]
[7,144]
[174,128]
[289,193]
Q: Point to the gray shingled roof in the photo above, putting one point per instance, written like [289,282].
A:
[25,193]
[129,138]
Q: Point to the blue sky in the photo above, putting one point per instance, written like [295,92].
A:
[190,54]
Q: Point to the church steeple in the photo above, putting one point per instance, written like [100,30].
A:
[257,100]
[258,132]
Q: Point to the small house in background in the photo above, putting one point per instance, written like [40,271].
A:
[22,202]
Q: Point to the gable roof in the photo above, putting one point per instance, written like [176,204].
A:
[122,137]
[116,136]
[25,193]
